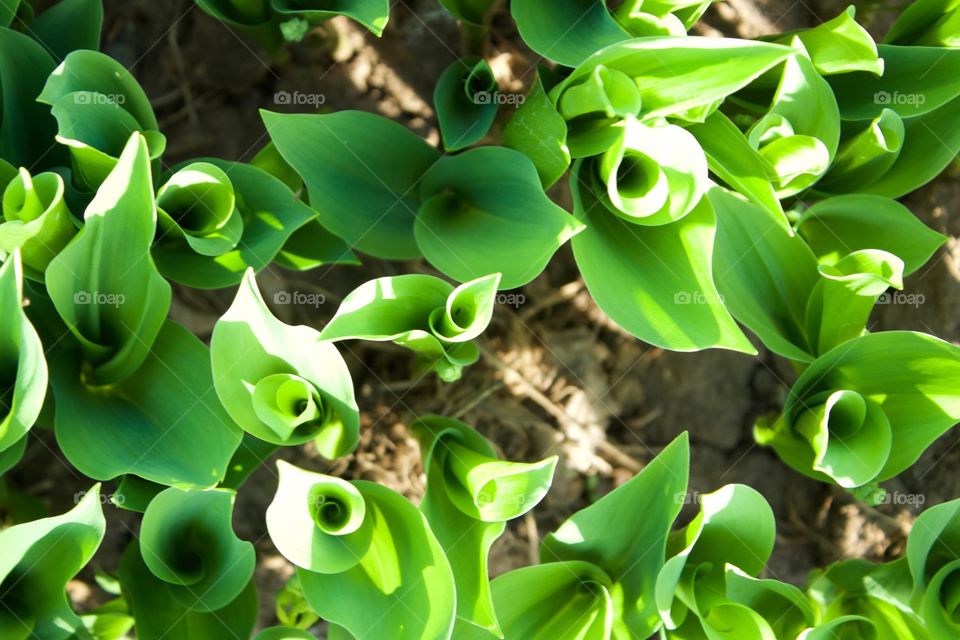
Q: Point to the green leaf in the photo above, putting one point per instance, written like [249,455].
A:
[27,128]
[653,175]
[38,560]
[133,493]
[626,542]
[734,527]
[115,308]
[372,14]
[930,23]
[916,80]
[470,494]
[248,457]
[843,224]
[96,131]
[160,615]
[539,132]
[244,13]
[783,606]
[23,369]
[765,275]
[284,633]
[839,45]
[275,223]
[197,207]
[554,601]
[594,107]
[570,32]
[843,400]
[485,211]
[371,550]
[841,303]
[362,172]
[167,408]
[655,282]
[11,456]
[187,541]
[476,12]
[38,221]
[465,100]
[733,160]
[931,143]
[280,383]
[69,25]
[92,72]
[678,74]
[867,156]
[422,313]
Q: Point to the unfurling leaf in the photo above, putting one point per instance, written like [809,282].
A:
[187,541]
[280,383]
[359,548]
[38,560]
[470,494]
[425,314]
[38,221]
[197,207]
[23,368]
[865,410]
[466,102]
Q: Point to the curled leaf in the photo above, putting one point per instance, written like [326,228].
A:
[23,368]
[38,560]
[197,206]
[187,541]
[470,494]
[420,312]
[280,383]
[366,549]
[38,221]
[466,102]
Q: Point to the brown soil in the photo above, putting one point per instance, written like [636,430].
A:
[556,376]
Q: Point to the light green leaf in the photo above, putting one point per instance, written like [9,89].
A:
[420,312]
[470,494]
[733,160]
[38,560]
[375,549]
[281,383]
[628,543]
[115,308]
[38,221]
[765,275]
[839,45]
[554,601]
[23,368]
[783,606]
[570,32]
[906,379]
[273,221]
[485,211]
[678,74]
[197,207]
[837,226]
[466,102]
[473,11]
[655,282]
[864,158]
[362,172]
[594,107]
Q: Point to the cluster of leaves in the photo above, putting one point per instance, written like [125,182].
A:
[717,184]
